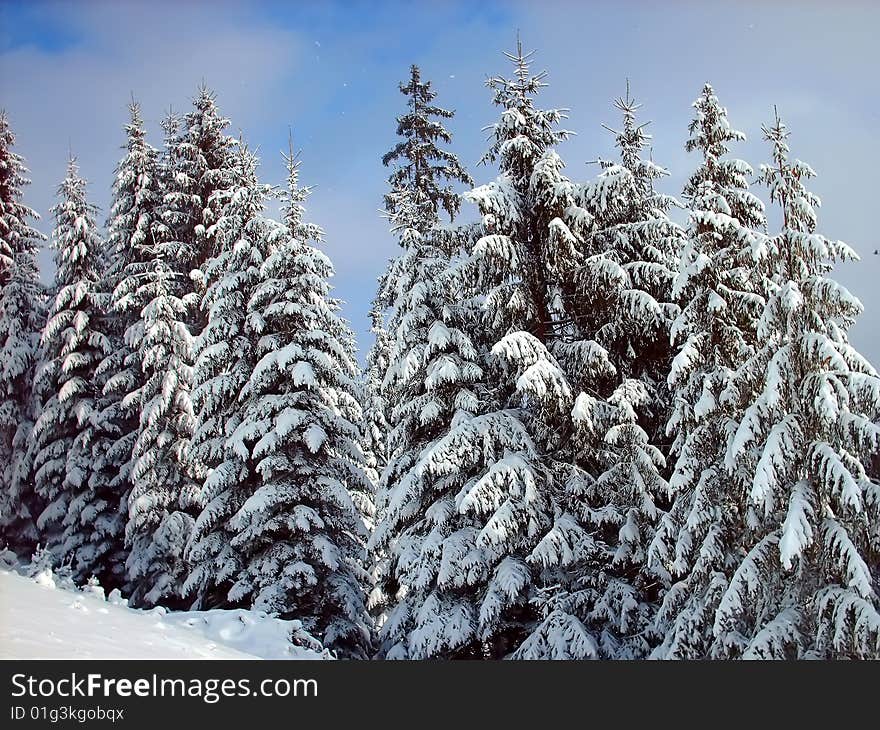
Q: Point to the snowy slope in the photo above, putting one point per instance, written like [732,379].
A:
[40,621]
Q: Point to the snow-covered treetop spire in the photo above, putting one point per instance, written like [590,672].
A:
[294,198]
[785,181]
[423,170]
[632,138]
[15,233]
[800,254]
[207,135]
[205,102]
[527,84]
[720,184]
[170,124]
[135,127]
[76,241]
[710,131]
[718,190]
[134,211]
[523,132]
[201,164]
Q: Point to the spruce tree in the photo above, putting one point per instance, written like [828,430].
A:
[198,171]
[617,294]
[83,520]
[133,226]
[535,227]
[470,505]
[432,367]
[376,416]
[225,358]
[174,209]
[160,297]
[720,286]
[421,188]
[807,585]
[422,167]
[299,535]
[163,499]
[201,161]
[531,222]
[21,318]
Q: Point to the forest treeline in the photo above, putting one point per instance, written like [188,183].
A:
[584,429]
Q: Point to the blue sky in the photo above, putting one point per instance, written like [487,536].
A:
[329,71]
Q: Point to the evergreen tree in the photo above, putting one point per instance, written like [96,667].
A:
[403,414]
[721,289]
[174,208]
[807,587]
[376,415]
[535,230]
[617,291]
[198,171]
[163,499]
[423,169]
[225,358]
[375,444]
[157,288]
[471,503]
[531,221]
[299,536]
[432,367]
[202,162]
[21,316]
[83,519]
[133,227]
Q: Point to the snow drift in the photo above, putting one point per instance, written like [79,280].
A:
[42,619]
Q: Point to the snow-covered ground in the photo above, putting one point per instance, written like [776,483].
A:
[39,620]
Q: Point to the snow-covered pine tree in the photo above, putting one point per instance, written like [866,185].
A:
[491,474]
[225,358]
[431,598]
[199,165]
[174,230]
[21,318]
[133,226]
[175,203]
[421,165]
[375,445]
[617,293]
[163,500]
[512,268]
[199,170]
[299,536]
[720,286]
[376,425]
[531,222]
[808,585]
[82,522]
[163,508]
[422,182]
[421,188]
